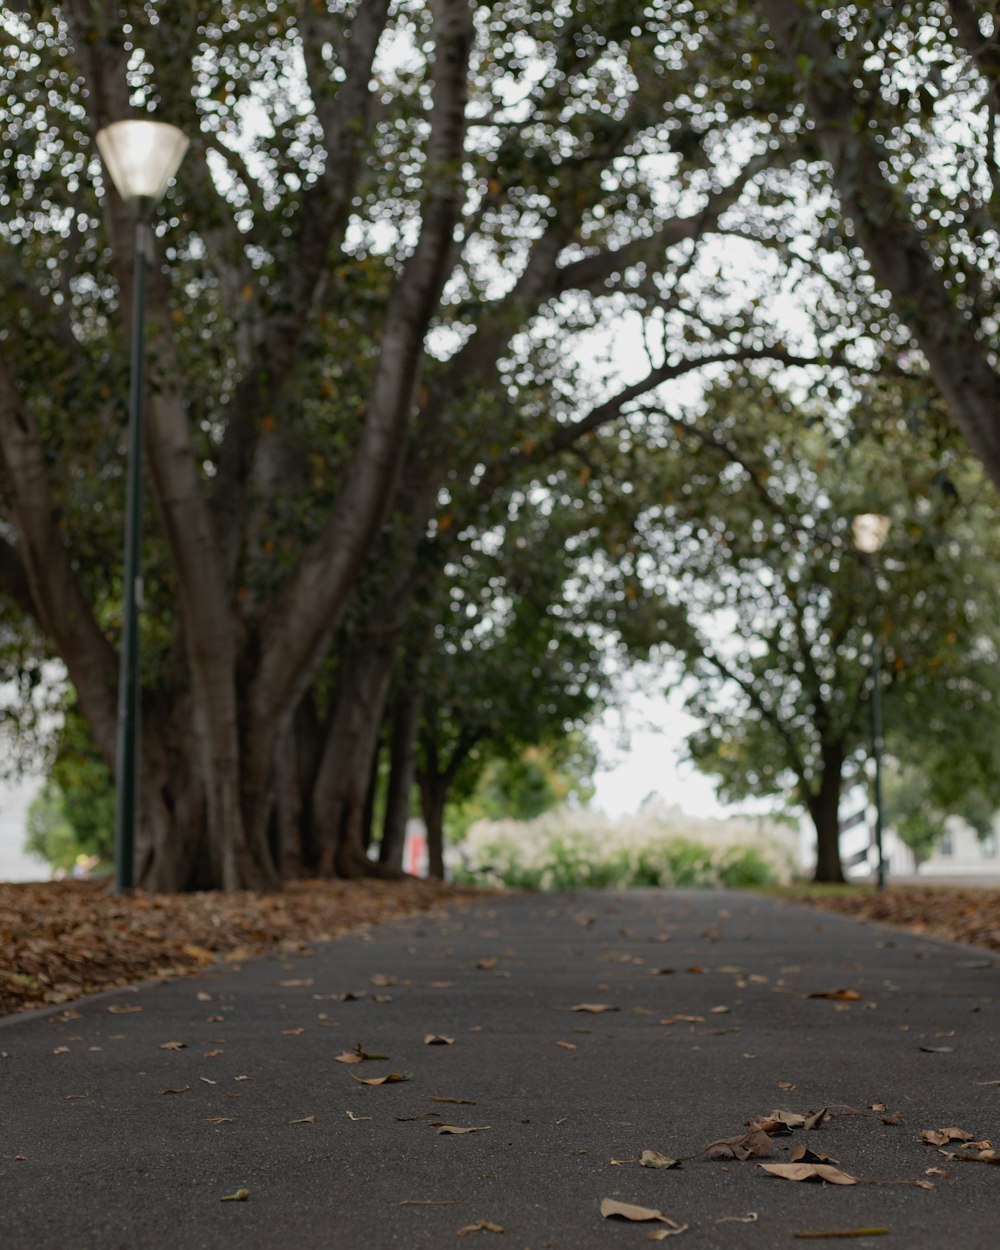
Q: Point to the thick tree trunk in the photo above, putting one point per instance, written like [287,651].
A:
[824,808]
[433,793]
[341,784]
[402,773]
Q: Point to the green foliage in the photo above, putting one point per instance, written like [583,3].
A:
[75,812]
[914,808]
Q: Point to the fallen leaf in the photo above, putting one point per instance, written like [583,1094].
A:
[292,1032]
[786,1085]
[942,1136]
[351,1116]
[661,972]
[391,1078]
[751,1217]
[685,1019]
[306,1119]
[207,1080]
[61,1050]
[120,1009]
[438,1039]
[653,1159]
[202,997]
[443,985]
[483,1226]
[211,1054]
[173,1045]
[978,1156]
[381,998]
[894,1119]
[241,1195]
[808,1172]
[806,1154]
[937,1050]
[617,1163]
[815,1119]
[381,980]
[662,1234]
[219,1119]
[465,1102]
[457,1130]
[73,1097]
[567,1045]
[491,961]
[357,1055]
[178,1089]
[611,1209]
[719,1011]
[750,1145]
[294,983]
[844,996]
[696,968]
[845,1232]
[594,1008]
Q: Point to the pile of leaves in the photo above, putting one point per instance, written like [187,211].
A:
[59,940]
[962,915]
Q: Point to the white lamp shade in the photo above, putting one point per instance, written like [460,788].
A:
[870,531]
[142,156]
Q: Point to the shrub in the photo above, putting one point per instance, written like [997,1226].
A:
[577,850]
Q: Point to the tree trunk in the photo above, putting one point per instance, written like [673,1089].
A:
[338,797]
[402,772]
[824,808]
[433,791]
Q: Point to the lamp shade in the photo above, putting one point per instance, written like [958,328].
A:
[142,156]
[870,531]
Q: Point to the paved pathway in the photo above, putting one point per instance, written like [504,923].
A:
[110,1137]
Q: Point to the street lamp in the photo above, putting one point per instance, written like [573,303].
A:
[870,531]
[141,156]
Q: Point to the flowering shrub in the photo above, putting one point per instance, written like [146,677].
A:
[574,850]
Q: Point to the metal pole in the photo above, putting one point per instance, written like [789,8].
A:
[127,760]
[877,756]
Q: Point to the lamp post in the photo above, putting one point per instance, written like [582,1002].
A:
[141,156]
[870,531]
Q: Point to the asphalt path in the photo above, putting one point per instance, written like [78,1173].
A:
[126,1118]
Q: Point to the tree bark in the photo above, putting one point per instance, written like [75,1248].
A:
[824,808]
[402,774]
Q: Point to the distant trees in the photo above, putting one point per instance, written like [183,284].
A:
[754,540]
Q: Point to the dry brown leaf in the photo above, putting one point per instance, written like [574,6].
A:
[390,1078]
[220,1119]
[809,1172]
[653,1159]
[457,1130]
[844,996]
[465,1102]
[779,1122]
[567,1045]
[815,1119]
[719,1011]
[241,1195]
[787,1085]
[482,1226]
[74,1097]
[697,969]
[178,1089]
[894,1119]
[806,1154]
[594,1009]
[292,1032]
[612,1209]
[942,1136]
[443,985]
[755,1143]
[685,1019]
[306,1119]
[617,1163]
[937,1050]
[296,982]
[351,1116]
[751,1217]
[207,1080]
[349,1056]
[438,1039]
[490,961]
[976,1156]
[120,1009]
[202,997]
[173,1045]
[662,1234]
[212,1054]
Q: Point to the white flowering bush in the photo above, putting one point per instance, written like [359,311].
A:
[577,849]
